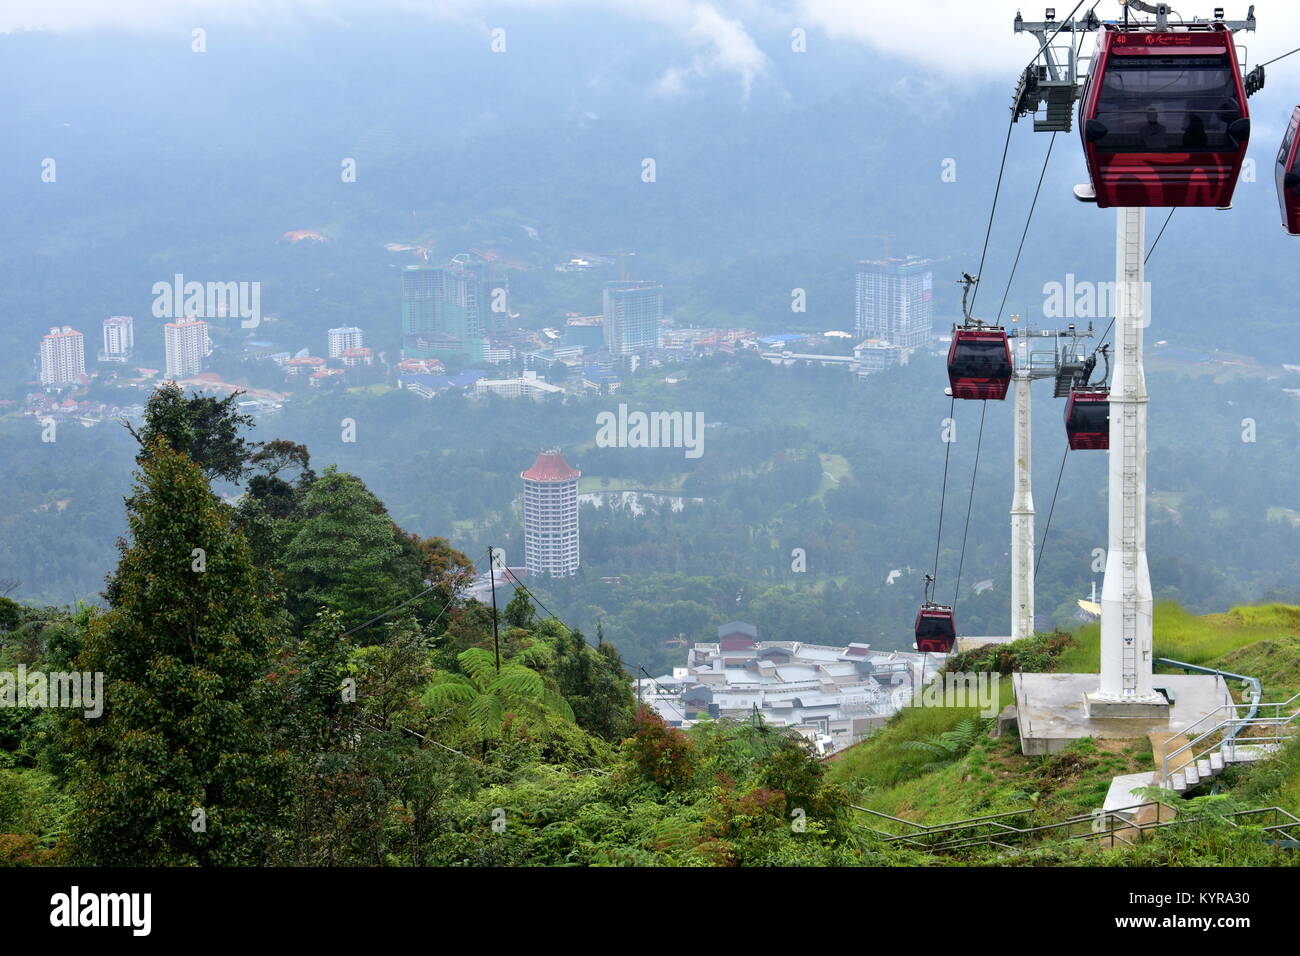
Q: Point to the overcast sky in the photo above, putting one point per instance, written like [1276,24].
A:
[953,37]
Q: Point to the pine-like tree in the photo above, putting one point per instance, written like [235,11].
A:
[177,770]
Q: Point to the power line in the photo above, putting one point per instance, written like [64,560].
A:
[1282,57]
[534,598]
[1048,41]
[1032,206]
[969,502]
[993,210]
[1159,234]
[1050,511]
[943,495]
[681,713]
[396,608]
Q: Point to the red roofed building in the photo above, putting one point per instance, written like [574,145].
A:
[308,363]
[551,516]
[361,355]
[429,366]
[324,374]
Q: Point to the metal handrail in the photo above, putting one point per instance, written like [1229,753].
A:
[1230,740]
[1116,825]
[1232,724]
[939,826]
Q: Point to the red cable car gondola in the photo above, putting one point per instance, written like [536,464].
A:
[979,362]
[1163,116]
[1087,417]
[1288,176]
[935,630]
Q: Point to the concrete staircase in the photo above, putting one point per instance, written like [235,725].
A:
[1200,753]
[1188,759]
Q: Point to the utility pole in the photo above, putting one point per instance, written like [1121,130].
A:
[492,577]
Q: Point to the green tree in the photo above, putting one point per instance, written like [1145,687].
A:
[519,612]
[278,496]
[204,427]
[345,553]
[595,683]
[178,769]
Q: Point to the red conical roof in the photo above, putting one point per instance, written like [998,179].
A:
[550,466]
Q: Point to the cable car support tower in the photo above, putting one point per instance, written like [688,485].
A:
[1031,360]
[1048,89]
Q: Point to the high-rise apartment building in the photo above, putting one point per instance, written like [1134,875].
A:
[894,301]
[63,357]
[119,339]
[343,339]
[632,313]
[186,346]
[420,285]
[445,310]
[551,516]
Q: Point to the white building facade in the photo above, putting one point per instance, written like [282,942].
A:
[894,301]
[186,346]
[551,517]
[342,339]
[119,339]
[63,357]
[632,314]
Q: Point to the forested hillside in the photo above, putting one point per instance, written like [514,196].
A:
[295,681]
[848,472]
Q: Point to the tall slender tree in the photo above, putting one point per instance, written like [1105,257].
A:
[177,770]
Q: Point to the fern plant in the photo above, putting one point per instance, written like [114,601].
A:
[1211,806]
[949,745]
[482,696]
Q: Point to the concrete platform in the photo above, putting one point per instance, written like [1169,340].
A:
[1120,795]
[1052,714]
[971,643]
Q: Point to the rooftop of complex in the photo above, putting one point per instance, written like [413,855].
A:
[834,695]
[550,466]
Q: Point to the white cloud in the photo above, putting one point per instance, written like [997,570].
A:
[953,39]
[974,38]
[725,47]
[160,15]
[720,43]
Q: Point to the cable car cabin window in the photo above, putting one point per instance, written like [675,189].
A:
[1156,104]
[1090,416]
[928,627]
[1286,145]
[935,627]
[980,359]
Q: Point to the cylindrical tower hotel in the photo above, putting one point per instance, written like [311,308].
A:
[551,516]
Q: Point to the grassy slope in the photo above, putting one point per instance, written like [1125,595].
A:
[993,776]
